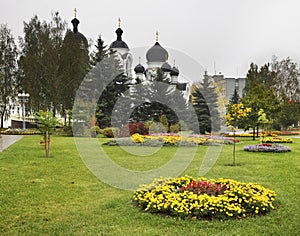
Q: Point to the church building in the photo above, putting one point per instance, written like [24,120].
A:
[156,57]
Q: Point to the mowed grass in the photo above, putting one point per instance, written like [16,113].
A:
[59,196]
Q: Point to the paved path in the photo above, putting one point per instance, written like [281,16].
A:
[7,140]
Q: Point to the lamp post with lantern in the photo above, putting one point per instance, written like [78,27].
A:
[23,97]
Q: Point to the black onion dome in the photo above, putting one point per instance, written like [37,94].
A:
[166,67]
[80,37]
[76,34]
[139,69]
[174,71]
[119,43]
[157,54]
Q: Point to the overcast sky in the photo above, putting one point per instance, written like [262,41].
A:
[226,35]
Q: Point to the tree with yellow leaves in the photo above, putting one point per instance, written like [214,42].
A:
[235,113]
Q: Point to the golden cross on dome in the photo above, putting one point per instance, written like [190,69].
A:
[75,12]
[156,36]
[119,23]
[139,60]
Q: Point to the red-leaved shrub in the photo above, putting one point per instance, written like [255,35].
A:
[133,128]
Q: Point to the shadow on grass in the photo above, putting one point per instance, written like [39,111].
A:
[237,164]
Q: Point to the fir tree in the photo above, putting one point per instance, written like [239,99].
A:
[100,53]
[111,81]
[235,98]
[74,67]
[157,98]
[204,100]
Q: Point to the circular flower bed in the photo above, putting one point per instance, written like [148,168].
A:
[201,198]
[267,147]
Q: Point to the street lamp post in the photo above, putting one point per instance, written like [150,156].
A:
[23,97]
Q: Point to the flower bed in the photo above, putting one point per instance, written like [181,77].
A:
[167,139]
[277,140]
[267,148]
[263,134]
[284,133]
[201,198]
[20,132]
[175,139]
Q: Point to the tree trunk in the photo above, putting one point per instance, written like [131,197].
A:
[2,116]
[47,143]
[234,147]
[253,137]
[54,111]
[2,120]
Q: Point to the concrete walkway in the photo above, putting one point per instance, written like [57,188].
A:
[7,140]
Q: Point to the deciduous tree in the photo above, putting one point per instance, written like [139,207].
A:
[8,72]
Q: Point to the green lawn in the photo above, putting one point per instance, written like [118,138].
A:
[59,196]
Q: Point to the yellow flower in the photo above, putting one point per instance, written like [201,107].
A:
[137,138]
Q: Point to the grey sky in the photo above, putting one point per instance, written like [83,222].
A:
[231,33]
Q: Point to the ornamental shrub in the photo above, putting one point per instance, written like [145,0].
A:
[95,130]
[164,121]
[110,132]
[133,128]
[175,128]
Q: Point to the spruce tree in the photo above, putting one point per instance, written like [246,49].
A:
[112,82]
[235,98]
[157,97]
[100,53]
[204,101]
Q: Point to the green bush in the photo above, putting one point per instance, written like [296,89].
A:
[95,130]
[183,126]
[164,121]
[110,132]
[64,131]
[175,128]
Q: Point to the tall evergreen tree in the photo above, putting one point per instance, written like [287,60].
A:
[8,72]
[100,53]
[108,71]
[74,67]
[201,109]
[235,98]
[204,100]
[157,97]
[252,77]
